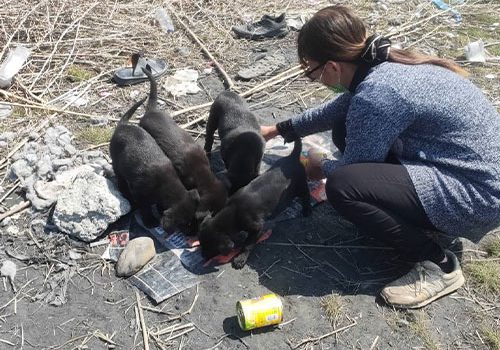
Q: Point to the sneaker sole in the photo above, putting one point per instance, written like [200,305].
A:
[450,289]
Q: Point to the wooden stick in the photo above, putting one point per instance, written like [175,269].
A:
[17,97]
[16,185]
[51,109]
[374,343]
[290,73]
[328,246]
[308,340]
[15,209]
[229,81]
[145,337]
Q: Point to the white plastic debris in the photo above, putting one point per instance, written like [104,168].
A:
[5,110]
[474,52]
[74,255]
[183,82]
[9,270]
[12,65]
[490,76]
[75,100]
[208,70]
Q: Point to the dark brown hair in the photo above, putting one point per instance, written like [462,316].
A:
[336,33]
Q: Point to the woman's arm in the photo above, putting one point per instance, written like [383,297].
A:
[311,121]
[321,118]
[376,118]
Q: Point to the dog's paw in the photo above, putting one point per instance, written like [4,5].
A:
[239,261]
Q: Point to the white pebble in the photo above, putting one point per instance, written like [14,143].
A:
[8,269]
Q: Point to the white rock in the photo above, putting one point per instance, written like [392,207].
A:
[136,254]
[86,208]
[8,269]
[12,230]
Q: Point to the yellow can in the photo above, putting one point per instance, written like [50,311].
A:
[259,312]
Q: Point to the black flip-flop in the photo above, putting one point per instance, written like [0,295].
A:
[129,76]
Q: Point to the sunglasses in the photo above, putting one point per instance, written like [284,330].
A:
[309,72]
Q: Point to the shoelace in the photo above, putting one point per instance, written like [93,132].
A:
[422,273]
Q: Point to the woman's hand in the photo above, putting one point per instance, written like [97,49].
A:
[312,164]
[268,131]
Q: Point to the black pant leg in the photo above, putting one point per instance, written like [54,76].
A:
[380,199]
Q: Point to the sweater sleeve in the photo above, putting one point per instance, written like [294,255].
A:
[376,117]
[321,118]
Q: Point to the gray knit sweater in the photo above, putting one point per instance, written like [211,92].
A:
[442,129]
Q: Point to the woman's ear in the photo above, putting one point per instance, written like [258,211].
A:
[334,67]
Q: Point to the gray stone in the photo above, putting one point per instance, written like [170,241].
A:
[136,254]
[88,206]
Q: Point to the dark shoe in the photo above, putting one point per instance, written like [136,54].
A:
[134,75]
[267,27]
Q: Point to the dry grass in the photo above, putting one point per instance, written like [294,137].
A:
[485,273]
[420,326]
[491,336]
[493,248]
[334,308]
[95,135]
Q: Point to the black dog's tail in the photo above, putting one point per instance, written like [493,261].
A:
[153,94]
[126,116]
[297,149]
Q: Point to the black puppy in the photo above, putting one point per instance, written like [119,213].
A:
[146,176]
[187,156]
[242,145]
[264,197]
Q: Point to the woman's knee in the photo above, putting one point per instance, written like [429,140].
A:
[339,187]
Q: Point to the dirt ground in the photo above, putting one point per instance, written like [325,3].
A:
[326,273]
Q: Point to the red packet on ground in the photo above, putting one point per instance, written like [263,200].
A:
[224,259]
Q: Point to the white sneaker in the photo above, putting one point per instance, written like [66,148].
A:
[425,283]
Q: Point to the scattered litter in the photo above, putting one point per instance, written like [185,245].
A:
[183,82]
[5,110]
[117,241]
[13,64]
[474,52]
[9,270]
[164,20]
[134,94]
[6,138]
[183,51]
[259,312]
[208,70]
[444,6]
[74,255]
[12,230]
[74,99]
[490,76]
[296,22]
